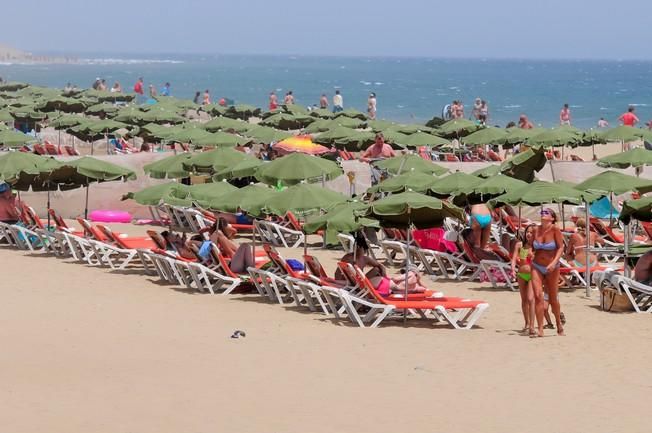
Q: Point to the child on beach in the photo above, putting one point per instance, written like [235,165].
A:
[521,267]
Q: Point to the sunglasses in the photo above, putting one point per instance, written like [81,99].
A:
[546,213]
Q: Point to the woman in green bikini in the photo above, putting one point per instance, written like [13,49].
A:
[521,267]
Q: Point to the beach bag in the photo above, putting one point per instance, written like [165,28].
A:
[613,300]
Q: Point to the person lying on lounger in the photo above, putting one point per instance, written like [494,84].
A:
[643,269]
[177,244]
[377,275]
[242,256]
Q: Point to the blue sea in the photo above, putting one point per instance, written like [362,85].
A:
[408,89]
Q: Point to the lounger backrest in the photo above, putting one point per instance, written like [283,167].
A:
[364,282]
[280,262]
[349,274]
[157,238]
[91,230]
[60,223]
[314,266]
[294,222]
[34,217]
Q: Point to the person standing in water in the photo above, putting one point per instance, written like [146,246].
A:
[207,97]
[273,101]
[289,98]
[139,90]
[629,118]
[323,102]
[197,97]
[371,106]
[565,115]
[338,102]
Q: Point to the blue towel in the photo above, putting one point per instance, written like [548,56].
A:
[601,209]
[205,249]
[295,264]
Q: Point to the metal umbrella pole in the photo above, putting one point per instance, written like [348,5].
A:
[626,252]
[587,250]
[86,206]
[407,260]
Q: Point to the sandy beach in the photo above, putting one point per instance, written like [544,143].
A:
[89,349]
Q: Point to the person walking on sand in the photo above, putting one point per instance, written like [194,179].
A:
[565,116]
[323,102]
[273,101]
[371,106]
[289,98]
[207,97]
[548,246]
[629,118]
[338,102]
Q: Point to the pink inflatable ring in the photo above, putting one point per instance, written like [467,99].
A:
[110,216]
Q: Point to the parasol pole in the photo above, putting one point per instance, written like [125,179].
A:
[86,206]
[626,252]
[587,250]
[407,260]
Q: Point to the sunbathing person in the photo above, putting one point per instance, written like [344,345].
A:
[576,248]
[643,269]
[242,256]
[177,244]
[377,275]
[8,207]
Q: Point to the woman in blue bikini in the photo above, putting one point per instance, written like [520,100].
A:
[481,224]
[548,247]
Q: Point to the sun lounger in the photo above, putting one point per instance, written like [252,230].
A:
[277,235]
[638,294]
[459,313]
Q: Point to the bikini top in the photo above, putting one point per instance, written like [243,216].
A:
[545,246]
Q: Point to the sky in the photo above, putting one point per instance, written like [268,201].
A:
[550,29]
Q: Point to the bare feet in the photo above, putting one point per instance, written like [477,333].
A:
[560,331]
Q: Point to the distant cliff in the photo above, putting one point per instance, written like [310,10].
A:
[12,55]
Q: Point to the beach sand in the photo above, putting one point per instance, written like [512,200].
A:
[92,350]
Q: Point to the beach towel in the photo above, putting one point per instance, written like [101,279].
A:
[601,209]
[433,239]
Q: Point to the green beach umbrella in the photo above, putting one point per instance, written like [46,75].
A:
[10,138]
[102,108]
[245,168]
[419,139]
[410,162]
[226,124]
[214,160]
[449,185]
[265,134]
[523,165]
[457,128]
[622,133]
[303,199]
[67,121]
[356,141]
[160,115]
[190,134]
[612,182]
[409,129]
[632,158]
[487,189]
[250,199]
[410,180]
[287,121]
[5,116]
[220,139]
[13,165]
[93,169]
[640,209]
[383,125]
[297,167]
[488,171]
[168,168]
[354,114]
[519,135]
[153,195]
[412,208]
[202,193]
[554,137]
[242,111]
[331,135]
[12,86]
[322,113]
[395,138]
[340,219]
[540,192]
[61,103]
[490,135]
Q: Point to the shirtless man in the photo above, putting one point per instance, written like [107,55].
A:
[378,150]
[8,210]
[524,122]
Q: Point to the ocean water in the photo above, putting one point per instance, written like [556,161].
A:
[408,89]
